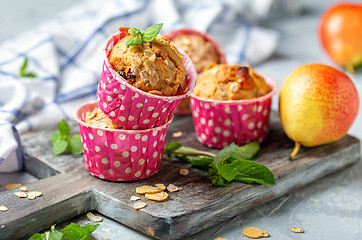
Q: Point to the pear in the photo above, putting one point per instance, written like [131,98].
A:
[317,105]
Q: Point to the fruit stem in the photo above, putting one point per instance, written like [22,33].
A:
[295,151]
[349,68]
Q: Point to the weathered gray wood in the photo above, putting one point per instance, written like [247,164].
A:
[73,191]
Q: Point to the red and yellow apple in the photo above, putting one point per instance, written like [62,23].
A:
[317,105]
[340,32]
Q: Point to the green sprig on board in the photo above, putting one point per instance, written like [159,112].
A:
[72,231]
[23,72]
[143,36]
[233,163]
[61,141]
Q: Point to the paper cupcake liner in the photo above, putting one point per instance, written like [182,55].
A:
[131,107]
[184,107]
[220,123]
[120,155]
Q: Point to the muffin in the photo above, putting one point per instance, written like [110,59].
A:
[231,104]
[117,154]
[141,85]
[202,49]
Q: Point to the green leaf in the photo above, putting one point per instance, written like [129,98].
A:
[247,152]
[22,70]
[201,162]
[171,148]
[64,129]
[134,31]
[151,32]
[252,172]
[29,74]
[133,41]
[55,136]
[75,144]
[48,235]
[215,178]
[75,232]
[227,171]
[60,146]
[223,155]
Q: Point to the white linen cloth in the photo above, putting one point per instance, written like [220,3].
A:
[66,55]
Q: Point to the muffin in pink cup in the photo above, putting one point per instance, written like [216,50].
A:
[202,49]
[119,154]
[141,85]
[231,104]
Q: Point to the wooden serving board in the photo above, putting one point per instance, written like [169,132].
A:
[69,190]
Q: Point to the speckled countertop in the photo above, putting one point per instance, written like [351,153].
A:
[330,208]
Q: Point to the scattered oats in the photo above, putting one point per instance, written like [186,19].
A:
[161,186]
[252,232]
[33,194]
[159,196]
[219,238]
[177,134]
[12,185]
[139,205]
[173,188]
[23,188]
[135,198]
[148,189]
[297,230]
[93,217]
[31,181]
[184,171]
[21,194]
[3,208]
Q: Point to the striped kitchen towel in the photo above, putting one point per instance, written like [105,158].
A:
[66,56]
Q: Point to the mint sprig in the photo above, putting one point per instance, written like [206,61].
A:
[233,163]
[143,36]
[23,72]
[61,141]
[72,231]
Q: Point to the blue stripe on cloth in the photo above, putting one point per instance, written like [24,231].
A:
[23,53]
[245,45]
[9,74]
[19,150]
[16,112]
[76,93]
[1,160]
[100,29]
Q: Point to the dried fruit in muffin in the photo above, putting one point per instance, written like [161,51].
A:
[155,67]
[201,51]
[230,82]
[98,119]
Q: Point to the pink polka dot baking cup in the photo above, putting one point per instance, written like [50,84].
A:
[184,107]
[131,107]
[120,155]
[220,123]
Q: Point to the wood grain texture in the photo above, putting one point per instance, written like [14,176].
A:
[72,191]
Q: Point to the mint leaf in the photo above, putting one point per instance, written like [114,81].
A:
[59,146]
[133,41]
[64,129]
[248,171]
[151,32]
[49,235]
[247,152]
[223,155]
[215,178]
[227,171]
[75,232]
[171,148]
[75,144]
[134,31]
[22,70]
[201,162]
[55,137]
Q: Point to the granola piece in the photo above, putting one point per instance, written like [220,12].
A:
[252,232]
[12,185]
[23,188]
[21,194]
[34,194]
[135,198]
[177,134]
[148,189]
[173,188]
[3,208]
[297,230]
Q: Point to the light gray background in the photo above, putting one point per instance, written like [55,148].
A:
[330,208]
